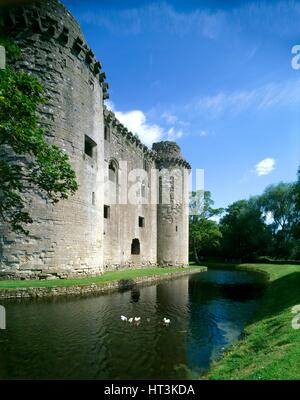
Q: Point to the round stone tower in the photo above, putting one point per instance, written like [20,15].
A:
[172,208]
[65,239]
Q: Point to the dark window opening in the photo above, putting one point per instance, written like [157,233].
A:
[89,146]
[145,165]
[112,172]
[172,188]
[93,198]
[135,247]
[106,212]
[160,190]
[141,222]
[176,228]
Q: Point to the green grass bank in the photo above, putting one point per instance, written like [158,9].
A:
[269,347]
[97,280]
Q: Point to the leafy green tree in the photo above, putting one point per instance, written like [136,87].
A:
[204,233]
[201,205]
[296,230]
[245,234]
[205,238]
[297,190]
[27,162]
[280,202]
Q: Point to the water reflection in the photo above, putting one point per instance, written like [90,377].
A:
[85,337]
[135,294]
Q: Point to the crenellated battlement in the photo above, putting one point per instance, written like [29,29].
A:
[164,153]
[111,119]
[53,22]
[168,153]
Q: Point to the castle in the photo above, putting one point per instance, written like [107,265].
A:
[97,229]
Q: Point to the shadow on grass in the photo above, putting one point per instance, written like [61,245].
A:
[278,295]
[281,294]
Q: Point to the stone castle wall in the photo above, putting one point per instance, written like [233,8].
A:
[65,238]
[125,151]
[76,236]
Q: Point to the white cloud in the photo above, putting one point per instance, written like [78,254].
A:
[173,134]
[278,18]
[265,167]
[157,17]
[169,118]
[137,123]
[261,98]
[110,105]
[203,133]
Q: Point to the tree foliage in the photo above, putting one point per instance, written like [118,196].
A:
[280,202]
[245,234]
[205,235]
[297,190]
[265,225]
[28,163]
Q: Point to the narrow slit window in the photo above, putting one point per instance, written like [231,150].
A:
[145,165]
[160,190]
[141,222]
[93,198]
[172,189]
[106,212]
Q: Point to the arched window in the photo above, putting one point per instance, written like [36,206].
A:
[135,247]
[113,171]
[113,180]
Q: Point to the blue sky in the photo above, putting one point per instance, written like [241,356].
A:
[215,76]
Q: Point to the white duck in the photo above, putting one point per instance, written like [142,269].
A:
[166,321]
[123,318]
[137,319]
[130,320]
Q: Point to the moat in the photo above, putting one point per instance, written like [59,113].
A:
[84,338]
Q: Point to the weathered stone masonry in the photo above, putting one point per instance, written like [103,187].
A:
[90,232]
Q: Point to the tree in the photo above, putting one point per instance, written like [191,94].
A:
[205,238]
[245,234]
[296,230]
[27,161]
[297,190]
[280,202]
[205,235]
[201,205]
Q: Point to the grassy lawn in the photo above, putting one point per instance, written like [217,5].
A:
[270,348]
[98,280]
